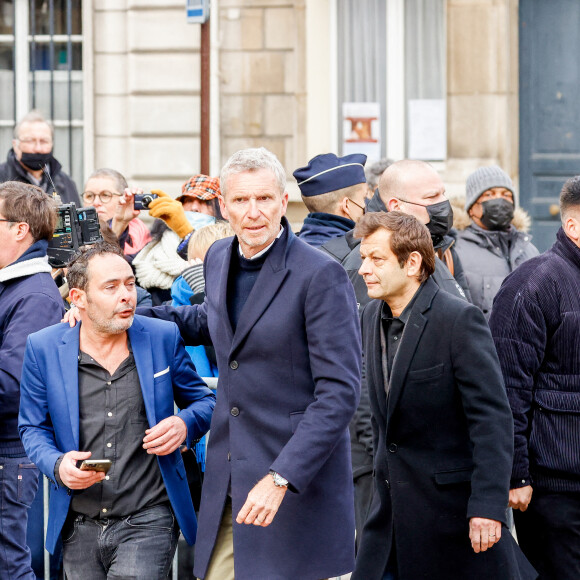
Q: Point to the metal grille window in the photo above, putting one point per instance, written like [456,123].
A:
[41,63]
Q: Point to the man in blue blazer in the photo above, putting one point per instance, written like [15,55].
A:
[105,390]
[277,500]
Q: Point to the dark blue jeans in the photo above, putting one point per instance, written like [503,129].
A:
[140,546]
[18,485]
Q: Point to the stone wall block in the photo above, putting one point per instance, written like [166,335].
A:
[252,72]
[167,30]
[241,29]
[165,73]
[111,116]
[241,115]
[275,145]
[254,3]
[112,152]
[164,157]
[280,28]
[161,4]
[472,125]
[471,50]
[280,115]
[163,115]
[117,5]
[110,32]
[110,74]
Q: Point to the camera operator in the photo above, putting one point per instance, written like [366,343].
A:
[31,160]
[107,191]
[29,301]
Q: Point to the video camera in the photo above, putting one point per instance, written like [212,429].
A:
[74,228]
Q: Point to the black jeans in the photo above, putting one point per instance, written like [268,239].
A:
[549,534]
[140,546]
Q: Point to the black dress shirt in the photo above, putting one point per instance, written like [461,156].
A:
[112,423]
[392,328]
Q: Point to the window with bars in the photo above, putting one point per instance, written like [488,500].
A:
[41,67]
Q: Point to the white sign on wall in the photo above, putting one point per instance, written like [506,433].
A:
[361,129]
[428,129]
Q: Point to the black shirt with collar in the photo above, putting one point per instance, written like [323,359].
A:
[112,424]
[392,328]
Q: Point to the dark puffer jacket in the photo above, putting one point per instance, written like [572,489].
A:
[65,187]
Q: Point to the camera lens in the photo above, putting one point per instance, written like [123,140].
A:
[146,200]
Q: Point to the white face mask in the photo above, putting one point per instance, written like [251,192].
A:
[198,220]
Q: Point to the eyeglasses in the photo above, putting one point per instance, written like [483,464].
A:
[31,141]
[104,196]
[9,221]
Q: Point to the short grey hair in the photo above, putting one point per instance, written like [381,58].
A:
[34,116]
[254,159]
[120,181]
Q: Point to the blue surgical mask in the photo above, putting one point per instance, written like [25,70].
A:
[198,220]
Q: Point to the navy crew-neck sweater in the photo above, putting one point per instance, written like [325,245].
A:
[242,277]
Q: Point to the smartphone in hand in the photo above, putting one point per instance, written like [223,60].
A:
[96,465]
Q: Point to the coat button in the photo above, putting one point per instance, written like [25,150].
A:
[235,411]
[393,448]
[387,484]
[229,456]
[234,365]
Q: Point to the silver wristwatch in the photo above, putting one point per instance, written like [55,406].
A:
[279,481]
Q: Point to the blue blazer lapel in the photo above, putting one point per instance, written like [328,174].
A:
[142,351]
[266,287]
[68,352]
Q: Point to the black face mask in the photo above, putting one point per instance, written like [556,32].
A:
[440,219]
[497,214]
[35,161]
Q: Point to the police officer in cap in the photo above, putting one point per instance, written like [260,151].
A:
[334,190]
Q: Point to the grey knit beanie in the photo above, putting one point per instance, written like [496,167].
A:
[483,179]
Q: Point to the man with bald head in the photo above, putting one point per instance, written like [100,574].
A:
[415,188]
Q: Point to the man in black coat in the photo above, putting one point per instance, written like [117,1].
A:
[441,421]
[31,159]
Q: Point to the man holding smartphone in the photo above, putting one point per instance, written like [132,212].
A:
[105,390]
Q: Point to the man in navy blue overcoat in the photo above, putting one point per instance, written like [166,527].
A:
[282,317]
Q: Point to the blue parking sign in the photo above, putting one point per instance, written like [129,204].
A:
[197,11]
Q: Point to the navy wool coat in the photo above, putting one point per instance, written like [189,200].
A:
[443,445]
[289,381]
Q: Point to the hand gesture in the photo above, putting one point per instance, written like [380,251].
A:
[171,212]
[125,211]
[165,437]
